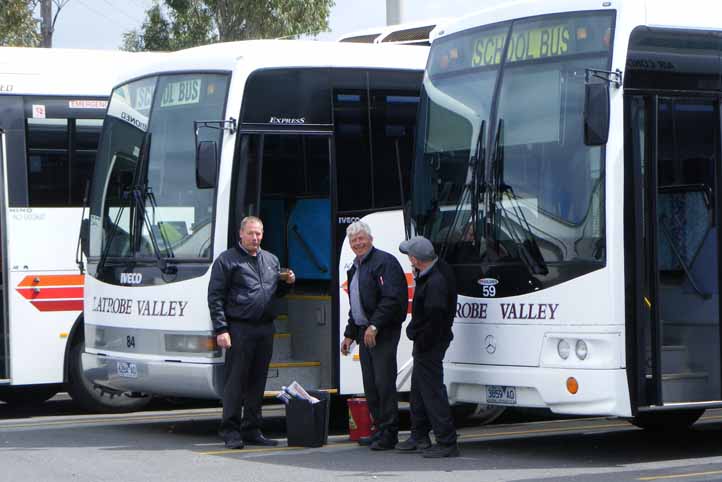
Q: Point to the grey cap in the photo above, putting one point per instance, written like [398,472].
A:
[419,247]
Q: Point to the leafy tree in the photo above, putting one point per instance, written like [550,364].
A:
[18,26]
[176,24]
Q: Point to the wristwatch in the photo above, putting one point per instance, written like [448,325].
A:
[373,328]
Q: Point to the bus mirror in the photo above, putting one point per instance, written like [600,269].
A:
[596,114]
[206,164]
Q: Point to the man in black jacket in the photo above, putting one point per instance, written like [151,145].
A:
[432,314]
[378,294]
[244,281]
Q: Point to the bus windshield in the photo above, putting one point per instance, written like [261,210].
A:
[522,202]
[144,200]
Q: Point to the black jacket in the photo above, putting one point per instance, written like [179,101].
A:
[242,288]
[433,308]
[383,290]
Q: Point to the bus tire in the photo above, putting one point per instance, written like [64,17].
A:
[19,396]
[667,421]
[475,413]
[93,398]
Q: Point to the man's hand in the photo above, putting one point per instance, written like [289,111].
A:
[291,277]
[224,340]
[370,337]
[346,346]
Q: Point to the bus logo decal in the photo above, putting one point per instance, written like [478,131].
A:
[131,278]
[488,282]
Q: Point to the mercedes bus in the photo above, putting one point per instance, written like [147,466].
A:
[567,168]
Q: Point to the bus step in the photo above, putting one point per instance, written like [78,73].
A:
[281,346]
[281,323]
[675,359]
[685,386]
[282,373]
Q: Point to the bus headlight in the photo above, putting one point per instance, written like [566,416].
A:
[192,344]
[99,337]
[563,349]
[581,349]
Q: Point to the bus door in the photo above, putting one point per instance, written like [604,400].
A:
[674,146]
[4,333]
[289,185]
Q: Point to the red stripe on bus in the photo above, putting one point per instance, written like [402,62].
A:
[52,280]
[51,293]
[67,305]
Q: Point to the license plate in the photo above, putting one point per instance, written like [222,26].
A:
[127,370]
[498,395]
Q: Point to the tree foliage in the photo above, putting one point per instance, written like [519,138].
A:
[18,26]
[177,24]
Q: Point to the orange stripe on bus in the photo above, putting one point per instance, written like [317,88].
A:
[52,280]
[51,293]
[70,305]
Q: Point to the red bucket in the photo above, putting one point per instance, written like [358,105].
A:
[360,422]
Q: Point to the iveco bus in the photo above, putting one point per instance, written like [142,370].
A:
[568,168]
[310,136]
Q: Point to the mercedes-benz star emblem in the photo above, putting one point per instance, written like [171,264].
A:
[490,343]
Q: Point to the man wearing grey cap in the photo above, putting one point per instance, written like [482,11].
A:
[432,315]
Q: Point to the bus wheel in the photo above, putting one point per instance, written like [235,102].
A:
[27,395]
[475,414]
[94,398]
[667,421]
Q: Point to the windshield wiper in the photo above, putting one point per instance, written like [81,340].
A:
[477,160]
[527,246]
[140,195]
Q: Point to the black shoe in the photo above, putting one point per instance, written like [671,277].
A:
[412,444]
[259,439]
[233,441]
[439,451]
[385,442]
[366,441]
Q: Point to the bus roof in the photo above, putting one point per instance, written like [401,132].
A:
[664,13]
[261,54]
[67,72]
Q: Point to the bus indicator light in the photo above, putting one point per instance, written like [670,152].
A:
[572,385]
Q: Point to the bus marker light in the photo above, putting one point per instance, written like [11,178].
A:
[572,385]
[63,335]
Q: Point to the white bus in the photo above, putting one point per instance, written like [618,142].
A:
[52,104]
[310,136]
[568,169]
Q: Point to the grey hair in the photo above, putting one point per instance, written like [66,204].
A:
[358,227]
[251,219]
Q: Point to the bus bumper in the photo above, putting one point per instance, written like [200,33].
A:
[177,379]
[600,392]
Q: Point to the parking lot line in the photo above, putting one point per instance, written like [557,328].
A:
[681,476]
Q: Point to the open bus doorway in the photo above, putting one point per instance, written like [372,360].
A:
[288,179]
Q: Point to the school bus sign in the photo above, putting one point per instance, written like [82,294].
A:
[524,45]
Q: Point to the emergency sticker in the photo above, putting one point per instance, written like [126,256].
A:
[38,111]
[88,104]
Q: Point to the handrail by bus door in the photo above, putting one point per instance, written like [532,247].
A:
[652,251]
[5,309]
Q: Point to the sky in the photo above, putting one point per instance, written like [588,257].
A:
[99,24]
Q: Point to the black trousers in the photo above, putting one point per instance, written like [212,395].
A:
[429,400]
[246,370]
[378,369]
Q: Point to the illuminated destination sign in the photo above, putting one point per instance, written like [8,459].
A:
[531,44]
[181,93]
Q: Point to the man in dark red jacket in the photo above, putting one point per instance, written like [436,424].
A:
[379,299]
[432,314]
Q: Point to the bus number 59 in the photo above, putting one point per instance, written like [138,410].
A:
[488,291]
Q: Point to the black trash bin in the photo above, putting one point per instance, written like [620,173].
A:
[307,423]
